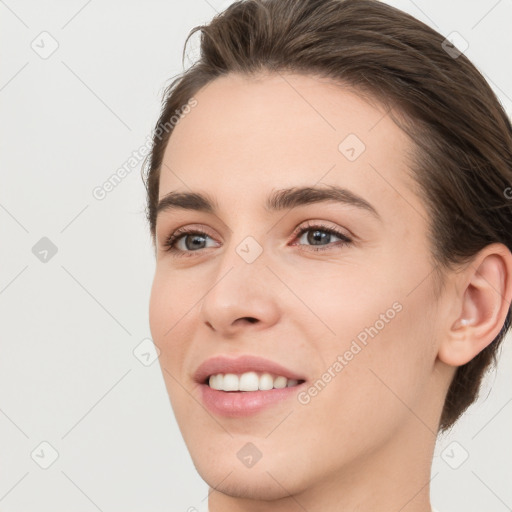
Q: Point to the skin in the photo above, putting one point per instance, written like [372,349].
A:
[366,441]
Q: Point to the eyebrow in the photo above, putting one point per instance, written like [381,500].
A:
[278,200]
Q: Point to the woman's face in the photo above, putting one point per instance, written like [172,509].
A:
[356,319]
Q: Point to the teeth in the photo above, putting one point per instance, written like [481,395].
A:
[249,381]
[265,382]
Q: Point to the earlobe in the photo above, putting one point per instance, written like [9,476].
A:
[484,303]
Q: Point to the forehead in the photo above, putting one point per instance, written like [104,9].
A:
[248,135]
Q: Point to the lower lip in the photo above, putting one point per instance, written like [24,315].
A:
[237,404]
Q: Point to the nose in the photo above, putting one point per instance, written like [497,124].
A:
[243,295]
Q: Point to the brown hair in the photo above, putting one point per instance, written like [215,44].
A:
[463,138]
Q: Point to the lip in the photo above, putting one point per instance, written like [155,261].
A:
[236,404]
[242,364]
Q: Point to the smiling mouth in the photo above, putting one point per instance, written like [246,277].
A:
[249,382]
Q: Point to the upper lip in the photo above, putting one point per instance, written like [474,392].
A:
[241,364]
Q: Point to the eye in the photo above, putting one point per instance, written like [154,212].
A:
[319,233]
[190,237]
[194,238]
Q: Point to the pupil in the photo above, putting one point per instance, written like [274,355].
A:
[194,238]
[316,236]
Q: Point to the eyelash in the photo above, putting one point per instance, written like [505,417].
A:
[169,244]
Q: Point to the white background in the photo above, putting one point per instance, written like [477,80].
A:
[68,375]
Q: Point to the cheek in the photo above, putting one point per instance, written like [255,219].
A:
[167,320]
[170,301]
[380,347]
[342,301]
[159,308]
[169,306]
[377,386]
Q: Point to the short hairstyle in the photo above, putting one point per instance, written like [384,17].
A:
[462,137]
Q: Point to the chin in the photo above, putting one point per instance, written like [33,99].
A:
[262,485]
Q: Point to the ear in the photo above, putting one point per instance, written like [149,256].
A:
[483,302]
